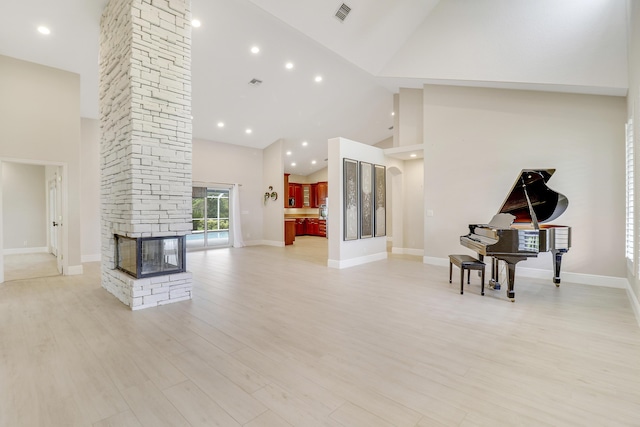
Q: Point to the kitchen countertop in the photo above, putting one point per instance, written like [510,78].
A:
[296,216]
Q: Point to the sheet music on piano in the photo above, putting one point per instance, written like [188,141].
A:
[501,220]
[518,232]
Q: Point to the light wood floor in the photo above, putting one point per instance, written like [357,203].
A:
[29,266]
[274,338]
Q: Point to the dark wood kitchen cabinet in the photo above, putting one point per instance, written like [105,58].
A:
[322,192]
[286,190]
[301,226]
[322,228]
[295,195]
[311,195]
[306,196]
[289,231]
[312,226]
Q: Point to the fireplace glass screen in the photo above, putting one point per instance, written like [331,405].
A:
[150,256]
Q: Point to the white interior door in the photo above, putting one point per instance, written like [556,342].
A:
[55,218]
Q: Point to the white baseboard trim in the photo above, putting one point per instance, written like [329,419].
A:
[260,243]
[635,303]
[271,243]
[20,251]
[536,273]
[74,270]
[333,263]
[407,251]
[91,258]
[583,279]
[440,262]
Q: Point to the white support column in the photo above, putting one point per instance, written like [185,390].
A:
[145,117]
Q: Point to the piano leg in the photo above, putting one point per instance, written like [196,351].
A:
[512,280]
[494,283]
[511,266]
[557,261]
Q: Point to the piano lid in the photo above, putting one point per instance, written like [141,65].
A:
[531,201]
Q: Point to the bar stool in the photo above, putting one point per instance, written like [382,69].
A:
[466,262]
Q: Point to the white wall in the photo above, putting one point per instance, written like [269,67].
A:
[386,143]
[215,162]
[40,123]
[543,43]
[395,201]
[410,117]
[318,176]
[477,141]
[90,190]
[24,199]
[273,211]
[353,252]
[413,207]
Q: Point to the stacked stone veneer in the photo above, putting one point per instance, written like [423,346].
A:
[145,119]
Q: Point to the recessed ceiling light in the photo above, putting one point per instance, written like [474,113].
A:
[318,79]
[255,49]
[191,117]
[288,153]
[220,124]
[44,30]
[305,143]
[248,131]
[413,155]
[288,65]
[196,23]
[313,162]
[293,164]
[393,113]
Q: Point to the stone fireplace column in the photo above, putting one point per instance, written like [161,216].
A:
[145,120]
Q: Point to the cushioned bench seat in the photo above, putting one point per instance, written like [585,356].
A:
[466,262]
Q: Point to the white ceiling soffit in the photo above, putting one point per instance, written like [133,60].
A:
[569,46]
[369,37]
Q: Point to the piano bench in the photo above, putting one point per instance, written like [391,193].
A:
[466,262]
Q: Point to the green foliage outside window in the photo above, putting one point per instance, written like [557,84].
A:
[217,206]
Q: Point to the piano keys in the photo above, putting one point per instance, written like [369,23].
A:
[519,231]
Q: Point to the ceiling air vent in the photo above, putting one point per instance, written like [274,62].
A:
[342,12]
[255,82]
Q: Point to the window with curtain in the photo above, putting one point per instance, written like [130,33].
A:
[629,191]
[210,218]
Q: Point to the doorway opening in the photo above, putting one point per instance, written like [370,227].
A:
[31,236]
[211,222]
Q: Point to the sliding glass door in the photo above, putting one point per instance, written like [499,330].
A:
[210,218]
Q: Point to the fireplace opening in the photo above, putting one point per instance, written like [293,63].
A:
[150,256]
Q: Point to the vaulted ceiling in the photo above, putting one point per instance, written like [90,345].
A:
[568,45]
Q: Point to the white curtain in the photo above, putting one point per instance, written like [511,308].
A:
[236,224]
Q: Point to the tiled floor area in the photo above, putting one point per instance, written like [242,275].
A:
[275,338]
[29,266]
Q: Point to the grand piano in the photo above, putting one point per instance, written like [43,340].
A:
[518,231]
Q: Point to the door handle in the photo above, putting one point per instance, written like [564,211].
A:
[55,224]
